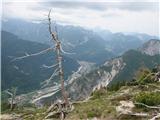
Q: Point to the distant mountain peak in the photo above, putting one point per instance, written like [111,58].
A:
[152,47]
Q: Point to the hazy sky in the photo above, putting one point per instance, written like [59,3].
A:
[115,15]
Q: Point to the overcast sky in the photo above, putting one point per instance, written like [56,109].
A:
[117,16]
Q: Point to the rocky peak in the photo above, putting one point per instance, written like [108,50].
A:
[152,47]
[115,66]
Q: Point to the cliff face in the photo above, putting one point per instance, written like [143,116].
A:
[152,47]
[121,69]
[113,71]
[100,77]
[116,65]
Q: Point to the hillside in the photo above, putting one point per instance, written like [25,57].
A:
[121,104]
[152,47]
[118,70]
[28,74]
[138,100]
[135,60]
[121,88]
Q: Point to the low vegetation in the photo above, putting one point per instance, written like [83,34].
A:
[148,98]
[103,103]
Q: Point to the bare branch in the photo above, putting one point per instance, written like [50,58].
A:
[134,114]
[52,66]
[152,107]
[11,94]
[49,19]
[31,55]
[46,82]
[156,117]
[53,34]
[86,78]
[65,51]
[56,30]
[54,74]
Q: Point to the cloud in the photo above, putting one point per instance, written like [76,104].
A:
[133,6]
[21,10]
[117,16]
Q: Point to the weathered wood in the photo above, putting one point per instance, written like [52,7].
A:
[134,114]
[58,49]
[151,107]
[52,114]
[156,117]
[12,93]
[31,55]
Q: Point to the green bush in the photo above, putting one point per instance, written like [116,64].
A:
[94,113]
[146,79]
[116,86]
[4,102]
[144,76]
[148,98]
[98,93]
[5,106]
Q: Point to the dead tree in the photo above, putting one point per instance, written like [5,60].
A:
[12,93]
[58,49]
[64,105]
[60,106]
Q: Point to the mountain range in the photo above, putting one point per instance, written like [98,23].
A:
[98,59]
[89,45]
[120,69]
[28,74]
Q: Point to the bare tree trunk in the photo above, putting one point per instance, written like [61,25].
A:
[59,59]
[64,105]
[11,106]
[61,73]
[12,93]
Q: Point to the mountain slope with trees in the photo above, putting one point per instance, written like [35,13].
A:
[92,46]
[28,74]
[118,70]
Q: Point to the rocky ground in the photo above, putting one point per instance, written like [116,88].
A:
[138,99]
[103,105]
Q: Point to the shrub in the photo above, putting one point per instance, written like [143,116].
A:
[144,76]
[98,93]
[148,98]
[5,106]
[116,86]
[94,113]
